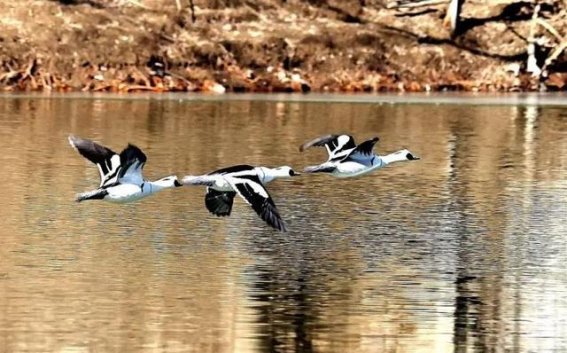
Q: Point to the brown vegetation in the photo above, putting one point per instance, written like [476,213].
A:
[281,45]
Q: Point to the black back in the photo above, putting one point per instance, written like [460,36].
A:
[233,169]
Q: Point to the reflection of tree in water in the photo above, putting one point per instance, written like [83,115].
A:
[286,312]
[292,287]
[478,203]
[467,302]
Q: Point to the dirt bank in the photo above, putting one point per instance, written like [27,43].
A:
[279,45]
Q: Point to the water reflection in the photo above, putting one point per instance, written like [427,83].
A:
[463,251]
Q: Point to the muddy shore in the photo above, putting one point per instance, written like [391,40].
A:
[280,46]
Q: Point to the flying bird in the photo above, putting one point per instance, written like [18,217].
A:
[346,159]
[121,178]
[246,181]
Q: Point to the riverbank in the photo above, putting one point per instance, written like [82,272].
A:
[276,46]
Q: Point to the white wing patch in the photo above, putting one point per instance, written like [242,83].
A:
[338,151]
[113,171]
[257,188]
[342,140]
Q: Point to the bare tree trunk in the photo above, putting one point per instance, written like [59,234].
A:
[452,17]
[531,64]
[192,7]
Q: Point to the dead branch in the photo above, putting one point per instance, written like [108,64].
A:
[138,4]
[192,7]
[549,28]
[412,5]
[452,16]
[555,54]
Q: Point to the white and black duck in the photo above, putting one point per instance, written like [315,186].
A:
[347,160]
[246,181]
[121,178]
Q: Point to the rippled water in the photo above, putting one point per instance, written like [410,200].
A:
[463,251]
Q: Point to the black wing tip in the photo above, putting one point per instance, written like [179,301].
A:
[74,141]
[133,151]
[220,214]
[132,146]
[269,214]
[282,228]
[318,141]
[277,223]
[304,147]
[280,225]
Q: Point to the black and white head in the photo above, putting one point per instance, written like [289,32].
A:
[285,172]
[407,155]
[168,182]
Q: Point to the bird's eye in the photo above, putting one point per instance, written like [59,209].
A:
[291,172]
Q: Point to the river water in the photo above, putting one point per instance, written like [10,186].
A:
[462,251]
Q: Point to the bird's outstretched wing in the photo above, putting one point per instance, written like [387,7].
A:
[107,161]
[256,195]
[338,146]
[132,161]
[364,150]
[219,203]
[198,180]
[241,168]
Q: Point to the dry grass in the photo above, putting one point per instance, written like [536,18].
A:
[264,45]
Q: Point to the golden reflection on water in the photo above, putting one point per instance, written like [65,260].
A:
[463,251]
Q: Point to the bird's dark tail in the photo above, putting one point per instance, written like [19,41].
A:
[97,194]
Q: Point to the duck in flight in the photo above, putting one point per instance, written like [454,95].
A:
[246,181]
[347,160]
[121,179]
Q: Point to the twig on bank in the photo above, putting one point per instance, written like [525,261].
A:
[143,77]
[555,54]
[8,75]
[138,88]
[413,5]
[561,40]
[549,28]
[138,4]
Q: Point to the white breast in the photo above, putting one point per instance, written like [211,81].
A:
[125,193]
[352,169]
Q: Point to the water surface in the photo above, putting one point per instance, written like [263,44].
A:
[463,251]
